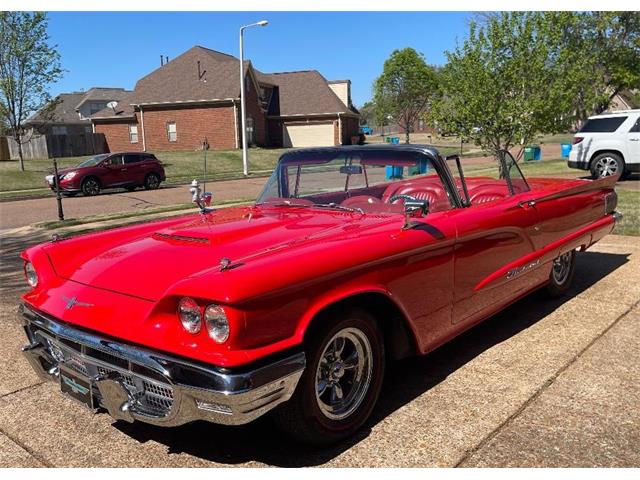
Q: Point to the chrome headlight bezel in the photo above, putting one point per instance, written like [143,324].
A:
[217,323]
[31,274]
[190,315]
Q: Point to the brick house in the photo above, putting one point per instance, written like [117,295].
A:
[197,96]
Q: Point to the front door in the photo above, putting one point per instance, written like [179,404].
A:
[494,233]
[633,143]
[115,172]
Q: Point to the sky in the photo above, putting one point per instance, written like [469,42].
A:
[115,49]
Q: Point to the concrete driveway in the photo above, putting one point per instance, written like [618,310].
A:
[545,383]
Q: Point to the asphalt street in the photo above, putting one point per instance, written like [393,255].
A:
[544,383]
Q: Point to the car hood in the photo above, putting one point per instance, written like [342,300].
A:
[147,264]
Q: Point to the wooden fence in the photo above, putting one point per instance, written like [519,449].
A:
[49,146]
[4,149]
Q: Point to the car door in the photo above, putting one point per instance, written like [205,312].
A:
[633,144]
[134,164]
[494,236]
[114,171]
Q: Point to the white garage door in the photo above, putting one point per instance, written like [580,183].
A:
[308,135]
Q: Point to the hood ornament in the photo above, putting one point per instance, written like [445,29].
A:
[201,199]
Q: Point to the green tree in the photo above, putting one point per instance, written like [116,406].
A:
[28,65]
[406,88]
[367,114]
[512,79]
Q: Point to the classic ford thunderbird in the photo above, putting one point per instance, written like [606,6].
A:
[350,257]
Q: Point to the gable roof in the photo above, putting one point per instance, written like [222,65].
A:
[180,80]
[123,109]
[66,105]
[305,92]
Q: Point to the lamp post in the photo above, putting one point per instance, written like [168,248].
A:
[243,106]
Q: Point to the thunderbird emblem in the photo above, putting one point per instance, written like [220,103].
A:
[73,301]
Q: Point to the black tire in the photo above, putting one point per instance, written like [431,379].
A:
[607,164]
[130,189]
[90,187]
[151,181]
[302,416]
[561,275]
[70,194]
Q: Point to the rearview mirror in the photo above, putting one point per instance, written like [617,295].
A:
[412,208]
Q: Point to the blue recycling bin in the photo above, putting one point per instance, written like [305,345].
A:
[532,152]
[565,149]
[420,169]
[393,172]
[395,140]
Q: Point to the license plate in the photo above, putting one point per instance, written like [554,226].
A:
[76,386]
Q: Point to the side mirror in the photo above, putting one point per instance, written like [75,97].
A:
[206,198]
[414,208]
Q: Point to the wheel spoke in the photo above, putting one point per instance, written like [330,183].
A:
[351,361]
[321,386]
[338,346]
[336,393]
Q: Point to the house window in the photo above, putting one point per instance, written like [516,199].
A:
[133,133]
[172,133]
[59,130]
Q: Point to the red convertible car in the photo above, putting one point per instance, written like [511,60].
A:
[351,257]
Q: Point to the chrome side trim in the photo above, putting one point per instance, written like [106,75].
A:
[617,216]
[200,392]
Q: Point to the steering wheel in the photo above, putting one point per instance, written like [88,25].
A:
[401,196]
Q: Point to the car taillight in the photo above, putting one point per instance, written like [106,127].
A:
[577,139]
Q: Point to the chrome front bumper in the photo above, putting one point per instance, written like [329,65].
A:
[133,383]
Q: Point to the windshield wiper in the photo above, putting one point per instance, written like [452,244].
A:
[339,207]
[335,206]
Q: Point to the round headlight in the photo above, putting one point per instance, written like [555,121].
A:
[32,276]
[217,323]
[189,313]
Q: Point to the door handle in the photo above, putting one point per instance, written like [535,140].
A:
[634,139]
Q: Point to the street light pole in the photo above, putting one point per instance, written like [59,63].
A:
[243,106]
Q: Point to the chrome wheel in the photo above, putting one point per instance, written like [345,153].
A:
[562,268]
[344,373]
[90,187]
[606,166]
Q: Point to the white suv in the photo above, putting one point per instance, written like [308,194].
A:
[608,144]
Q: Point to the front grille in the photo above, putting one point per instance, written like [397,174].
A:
[154,397]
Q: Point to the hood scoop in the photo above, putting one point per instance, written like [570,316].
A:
[181,239]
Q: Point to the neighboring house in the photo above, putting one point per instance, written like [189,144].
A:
[69,113]
[197,96]
[624,100]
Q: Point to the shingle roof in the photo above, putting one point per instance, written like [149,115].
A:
[123,109]
[180,80]
[305,93]
[217,78]
[66,105]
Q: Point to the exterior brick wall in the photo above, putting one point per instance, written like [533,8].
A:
[254,111]
[116,134]
[193,125]
[350,128]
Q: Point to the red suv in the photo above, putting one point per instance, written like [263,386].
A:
[110,170]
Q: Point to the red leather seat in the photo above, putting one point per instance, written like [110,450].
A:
[425,190]
[487,193]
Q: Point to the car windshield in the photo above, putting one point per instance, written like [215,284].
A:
[93,161]
[363,180]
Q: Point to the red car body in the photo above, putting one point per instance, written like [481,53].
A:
[111,170]
[275,269]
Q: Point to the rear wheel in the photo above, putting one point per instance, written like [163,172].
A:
[606,165]
[341,383]
[151,181]
[130,189]
[561,274]
[90,187]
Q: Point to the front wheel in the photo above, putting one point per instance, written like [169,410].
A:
[90,187]
[561,274]
[341,383]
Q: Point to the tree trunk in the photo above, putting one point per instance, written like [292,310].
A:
[406,135]
[20,154]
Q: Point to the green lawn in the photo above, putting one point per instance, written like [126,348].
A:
[629,206]
[179,166]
